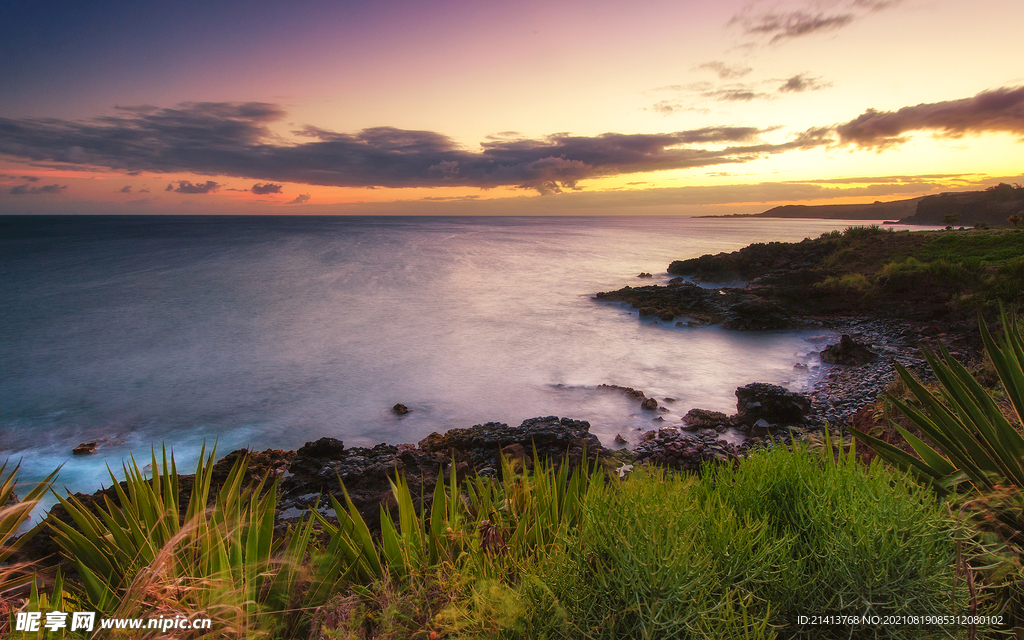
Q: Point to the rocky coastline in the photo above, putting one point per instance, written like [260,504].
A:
[780,293]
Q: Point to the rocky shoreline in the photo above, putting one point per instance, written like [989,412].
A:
[780,294]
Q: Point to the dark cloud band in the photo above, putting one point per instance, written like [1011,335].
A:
[230,139]
[998,110]
[233,139]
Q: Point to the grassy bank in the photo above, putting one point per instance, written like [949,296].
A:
[969,268]
[740,552]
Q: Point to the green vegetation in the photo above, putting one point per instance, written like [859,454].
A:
[739,552]
[974,450]
[13,515]
[979,267]
[742,552]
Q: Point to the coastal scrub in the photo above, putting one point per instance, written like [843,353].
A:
[743,552]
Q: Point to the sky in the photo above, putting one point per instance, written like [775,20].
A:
[503,108]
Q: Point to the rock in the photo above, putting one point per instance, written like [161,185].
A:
[517,452]
[704,419]
[619,439]
[84,449]
[773,403]
[685,451]
[269,463]
[645,275]
[649,404]
[322,448]
[847,352]
[317,467]
[754,313]
[554,439]
[630,392]
[760,429]
[400,409]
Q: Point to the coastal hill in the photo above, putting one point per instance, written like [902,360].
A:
[991,206]
[896,210]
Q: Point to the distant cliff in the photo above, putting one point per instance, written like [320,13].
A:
[991,206]
[896,210]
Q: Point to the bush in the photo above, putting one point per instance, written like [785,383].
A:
[744,551]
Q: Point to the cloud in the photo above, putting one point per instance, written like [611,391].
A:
[792,24]
[232,139]
[668,107]
[450,198]
[144,190]
[725,71]
[996,110]
[185,186]
[736,94]
[264,189]
[126,189]
[736,91]
[800,83]
[24,189]
[818,16]
[302,198]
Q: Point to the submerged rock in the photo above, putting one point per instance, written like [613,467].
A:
[85,449]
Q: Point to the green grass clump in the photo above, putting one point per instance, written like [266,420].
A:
[988,247]
[741,553]
[855,281]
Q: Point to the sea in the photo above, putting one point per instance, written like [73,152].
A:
[140,333]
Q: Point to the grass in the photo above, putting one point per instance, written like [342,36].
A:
[989,247]
[980,268]
[741,553]
[735,553]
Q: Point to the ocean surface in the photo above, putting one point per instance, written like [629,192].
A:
[270,332]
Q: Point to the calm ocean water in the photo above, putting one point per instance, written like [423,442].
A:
[268,332]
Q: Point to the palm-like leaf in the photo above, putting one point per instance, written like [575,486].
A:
[974,441]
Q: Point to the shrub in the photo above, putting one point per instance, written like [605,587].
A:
[975,448]
[856,281]
[742,552]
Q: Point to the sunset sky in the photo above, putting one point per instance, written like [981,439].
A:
[480,107]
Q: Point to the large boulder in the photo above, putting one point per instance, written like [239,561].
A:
[847,352]
[317,467]
[772,403]
[554,439]
[704,419]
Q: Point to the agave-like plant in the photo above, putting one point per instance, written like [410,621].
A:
[510,519]
[12,518]
[142,555]
[974,441]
